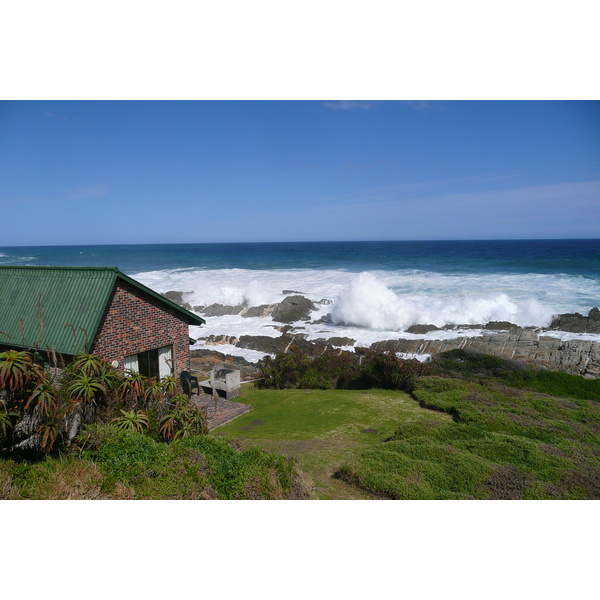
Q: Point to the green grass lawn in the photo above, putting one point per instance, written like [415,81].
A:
[323,429]
[504,443]
[455,439]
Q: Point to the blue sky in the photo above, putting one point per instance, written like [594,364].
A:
[75,172]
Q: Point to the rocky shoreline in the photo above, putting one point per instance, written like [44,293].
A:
[529,345]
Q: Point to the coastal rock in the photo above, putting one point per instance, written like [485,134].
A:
[341,341]
[264,310]
[203,361]
[325,301]
[177,297]
[421,329]
[578,357]
[577,323]
[263,343]
[500,325]
[220,310]
[216,340]
[288,292]
[280,344]
[325,319]
[293,308]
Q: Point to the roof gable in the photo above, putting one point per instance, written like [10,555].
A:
[61,307]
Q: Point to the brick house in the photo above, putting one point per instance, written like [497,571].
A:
[68,310]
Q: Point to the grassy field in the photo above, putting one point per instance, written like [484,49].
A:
[324,429]
[504,443]
[475,436]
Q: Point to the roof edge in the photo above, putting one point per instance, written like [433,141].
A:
[195,319]
[191,318]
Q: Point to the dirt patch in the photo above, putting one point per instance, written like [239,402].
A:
[257,422]
[370,431]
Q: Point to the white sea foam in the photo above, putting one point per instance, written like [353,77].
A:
[379,305]
[15,259]
[252,356]
[368,302]
[410,355]
[568,336]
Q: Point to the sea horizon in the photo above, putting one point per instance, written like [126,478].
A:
[368,291]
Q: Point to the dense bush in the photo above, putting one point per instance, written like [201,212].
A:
[42,409]
[343,370]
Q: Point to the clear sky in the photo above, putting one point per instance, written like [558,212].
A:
[96,172]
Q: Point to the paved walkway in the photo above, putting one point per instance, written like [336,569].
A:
[219,410]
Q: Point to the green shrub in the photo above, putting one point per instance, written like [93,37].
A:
[197,466]
[333,369]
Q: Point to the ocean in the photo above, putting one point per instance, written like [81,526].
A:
[370,291]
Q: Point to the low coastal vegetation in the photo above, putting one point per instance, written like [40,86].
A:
[363,369]
[466,426]
[515,434]
[512,432]
[91,432]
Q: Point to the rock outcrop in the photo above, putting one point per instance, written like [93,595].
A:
[577,323]
[177,297]
[220,310]
[578,357]
[264,310]
[293,308]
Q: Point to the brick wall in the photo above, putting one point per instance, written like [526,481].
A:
[135,322]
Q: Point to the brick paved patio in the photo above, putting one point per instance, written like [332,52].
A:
[219,410]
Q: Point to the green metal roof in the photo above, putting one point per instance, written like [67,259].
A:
[68,301]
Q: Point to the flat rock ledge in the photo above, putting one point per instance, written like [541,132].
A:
[578,357]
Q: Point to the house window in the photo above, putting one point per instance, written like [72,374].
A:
[155,363]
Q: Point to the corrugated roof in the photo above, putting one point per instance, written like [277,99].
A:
[68,301]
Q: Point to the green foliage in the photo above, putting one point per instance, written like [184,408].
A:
[475,364]
[470,364]
[182,419]
[333,369]
[169,386]
[44,398]
[133,389]
[83,388]
[88,364]
[7,421]
[132,420]
[37,412]
[505,443]
[50,432]
[17,369]
[562,384]
[194,467]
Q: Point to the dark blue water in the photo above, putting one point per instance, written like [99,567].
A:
[572,257]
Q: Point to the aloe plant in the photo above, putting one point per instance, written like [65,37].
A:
[154,392]
[44,397]
[88,364]
[50,432]
[16,370]
[133,387]
[132,420]
[182,420]
[169,385]
[7,421]
[86,389]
